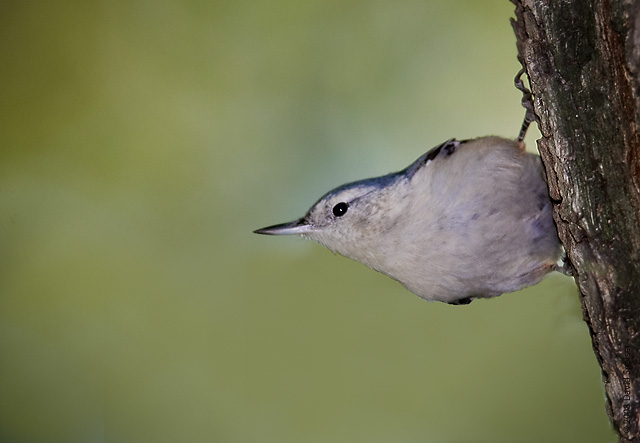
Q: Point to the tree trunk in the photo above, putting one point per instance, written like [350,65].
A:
[583,62]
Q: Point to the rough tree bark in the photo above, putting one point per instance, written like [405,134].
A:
[583,62]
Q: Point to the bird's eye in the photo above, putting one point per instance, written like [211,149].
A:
[340,209]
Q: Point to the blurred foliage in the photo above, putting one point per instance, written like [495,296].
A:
[141,143]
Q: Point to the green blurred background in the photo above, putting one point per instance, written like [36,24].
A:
[141,144]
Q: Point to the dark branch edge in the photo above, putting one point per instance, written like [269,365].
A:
[583,63]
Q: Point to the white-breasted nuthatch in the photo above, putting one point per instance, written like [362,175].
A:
[469,219]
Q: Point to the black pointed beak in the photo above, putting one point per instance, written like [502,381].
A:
[295,227]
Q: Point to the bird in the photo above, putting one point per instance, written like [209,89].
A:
[469,219]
